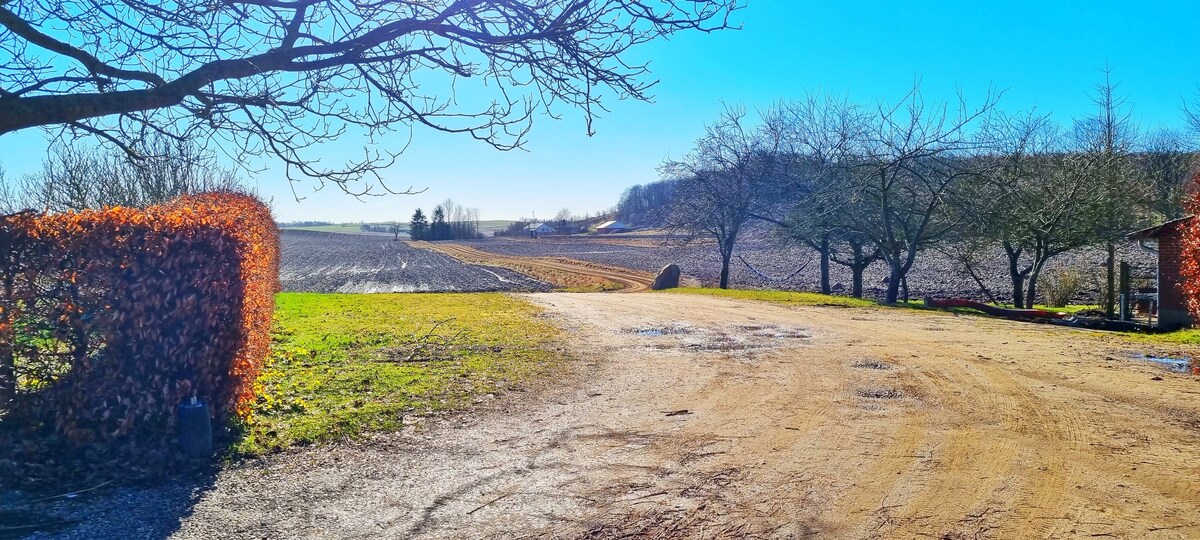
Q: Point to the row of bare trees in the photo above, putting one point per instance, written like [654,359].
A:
[887,182]
[77,176]
[449,221]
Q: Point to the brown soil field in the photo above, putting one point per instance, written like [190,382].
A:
[560,271]
[688,416]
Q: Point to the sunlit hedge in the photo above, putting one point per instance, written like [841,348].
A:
[1189,260]
[111,318]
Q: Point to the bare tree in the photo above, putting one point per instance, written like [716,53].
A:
[77,177]
[1108,137]
[453,210]
[914,157]
[1044,193]
[1168,161]
[275,77]
[9,202]
[819,134]
[823,215]
[723,182]
[1037,198]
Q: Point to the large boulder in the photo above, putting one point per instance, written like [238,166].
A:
[667,278]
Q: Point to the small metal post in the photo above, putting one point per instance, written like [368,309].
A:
[195,429]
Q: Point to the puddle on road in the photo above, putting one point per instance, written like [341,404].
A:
[737,341]
[871,364]
[659,330]
[1181,365]
[879,393]
[724,342]
[773,331]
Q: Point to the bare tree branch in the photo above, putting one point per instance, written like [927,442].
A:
[279,77]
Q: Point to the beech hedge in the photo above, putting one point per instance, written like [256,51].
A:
[109,319]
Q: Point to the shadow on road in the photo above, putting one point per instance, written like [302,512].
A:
[113,509]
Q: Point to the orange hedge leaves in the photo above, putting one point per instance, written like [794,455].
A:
[113,317]
[1189,255]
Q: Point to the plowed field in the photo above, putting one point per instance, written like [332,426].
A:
[562,272]
[354,263]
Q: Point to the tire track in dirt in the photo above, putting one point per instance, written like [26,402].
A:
[546,268]
[979,451]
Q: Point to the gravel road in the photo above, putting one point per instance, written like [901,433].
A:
[698,417]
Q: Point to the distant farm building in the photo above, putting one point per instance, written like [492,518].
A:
[609,227]
[541,229]
[1165,298]
[569,228]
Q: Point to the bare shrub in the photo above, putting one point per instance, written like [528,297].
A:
[1063,284]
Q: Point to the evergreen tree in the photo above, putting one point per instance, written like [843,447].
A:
[438,228]
[418,229]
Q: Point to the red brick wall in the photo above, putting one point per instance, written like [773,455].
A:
[1170,295]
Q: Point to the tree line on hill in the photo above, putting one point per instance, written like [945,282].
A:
[565,222]
[449,221]
[890,181]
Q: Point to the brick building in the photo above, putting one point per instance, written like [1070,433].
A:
[1165,240]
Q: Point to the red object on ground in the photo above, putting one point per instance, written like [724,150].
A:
[994,310]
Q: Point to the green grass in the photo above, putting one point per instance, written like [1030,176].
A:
[494,224]
[1186,336]
[781,297]
[338,364]
[817,299]
[1070,310]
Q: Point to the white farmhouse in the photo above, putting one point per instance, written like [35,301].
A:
[541,229]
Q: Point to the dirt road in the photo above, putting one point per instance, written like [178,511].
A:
[698,417]
[560,271]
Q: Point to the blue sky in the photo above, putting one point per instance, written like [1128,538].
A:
[1044,54]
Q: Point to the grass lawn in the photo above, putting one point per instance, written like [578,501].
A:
[780,297]
[346,364]
[1186,336]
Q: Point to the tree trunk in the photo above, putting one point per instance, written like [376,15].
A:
[904,288]
[1110,296]
[8,371]
[1034,273]
[8,375]
[857,267]
[824,249]
[856,271]
[1017,276]
[893,288]
[726,254]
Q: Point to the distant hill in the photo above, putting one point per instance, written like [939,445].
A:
[488,225]
[344,228]
[646,205]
